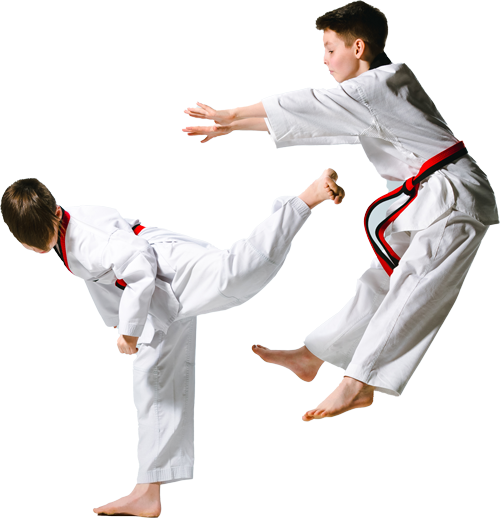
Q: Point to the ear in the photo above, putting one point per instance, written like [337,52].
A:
[360,48]
[59,212]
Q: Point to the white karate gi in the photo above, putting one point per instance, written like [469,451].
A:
[170,280]
[382,334]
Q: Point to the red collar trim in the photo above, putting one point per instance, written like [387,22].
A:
[62,237]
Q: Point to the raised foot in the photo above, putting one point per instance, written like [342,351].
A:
[143,501]
[348,395]
[300,361]
[323,188]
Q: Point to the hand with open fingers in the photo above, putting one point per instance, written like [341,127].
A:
[127,344]
[222,117]
[336,193]
[210,131]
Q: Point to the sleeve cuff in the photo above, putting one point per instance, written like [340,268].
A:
[111,322]
[300,206]
[275,121]
[296,203]
[131,329]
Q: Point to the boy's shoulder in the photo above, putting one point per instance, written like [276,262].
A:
[387,86]
[99,219]
[382,77]
[91,211]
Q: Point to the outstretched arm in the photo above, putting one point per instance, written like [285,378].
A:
[225,117]
[254,124]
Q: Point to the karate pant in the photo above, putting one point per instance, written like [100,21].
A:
[204,279]
[383,332]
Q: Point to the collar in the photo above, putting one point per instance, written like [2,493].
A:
[60,248]
[380,60]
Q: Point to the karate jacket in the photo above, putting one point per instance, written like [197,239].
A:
[387,111]
[99,246]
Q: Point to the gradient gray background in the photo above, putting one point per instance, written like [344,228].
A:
[67,419]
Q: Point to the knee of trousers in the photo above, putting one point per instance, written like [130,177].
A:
[246,271]
[163,372]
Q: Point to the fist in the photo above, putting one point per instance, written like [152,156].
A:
[127,344]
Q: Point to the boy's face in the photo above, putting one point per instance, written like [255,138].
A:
[53,241]
[342,62]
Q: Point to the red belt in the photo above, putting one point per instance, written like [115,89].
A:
[120,283]
[386,255]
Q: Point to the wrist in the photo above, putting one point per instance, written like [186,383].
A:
[131,340]
[235,115]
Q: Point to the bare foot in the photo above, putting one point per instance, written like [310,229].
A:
[323,188]
[143,501]
[301,361]
[348,395]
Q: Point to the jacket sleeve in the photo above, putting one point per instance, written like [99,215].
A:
[311,116]
[133,260]
[106,297]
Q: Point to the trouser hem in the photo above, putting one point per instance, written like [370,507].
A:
[322,354]
[300,206]
[371,378]
[166,475]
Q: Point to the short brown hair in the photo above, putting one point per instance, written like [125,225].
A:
[357,20]
[29,209]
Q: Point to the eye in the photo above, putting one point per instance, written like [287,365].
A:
[330,52]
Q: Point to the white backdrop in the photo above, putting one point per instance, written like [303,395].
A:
[66,388]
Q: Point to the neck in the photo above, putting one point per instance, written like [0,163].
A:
[364,66]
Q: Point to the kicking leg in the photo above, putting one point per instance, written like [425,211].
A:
[208,279]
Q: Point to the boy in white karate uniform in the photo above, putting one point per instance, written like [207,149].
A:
[152,283]
[381,335]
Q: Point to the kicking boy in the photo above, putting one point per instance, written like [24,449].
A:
[152,283]
[434,224]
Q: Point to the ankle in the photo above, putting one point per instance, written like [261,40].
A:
[353,382]
[309,356]
[142,489]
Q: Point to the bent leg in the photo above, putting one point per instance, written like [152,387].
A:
[423,289]
[336,339]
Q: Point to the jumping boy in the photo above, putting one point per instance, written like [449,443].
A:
[434,224]
[152,284]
